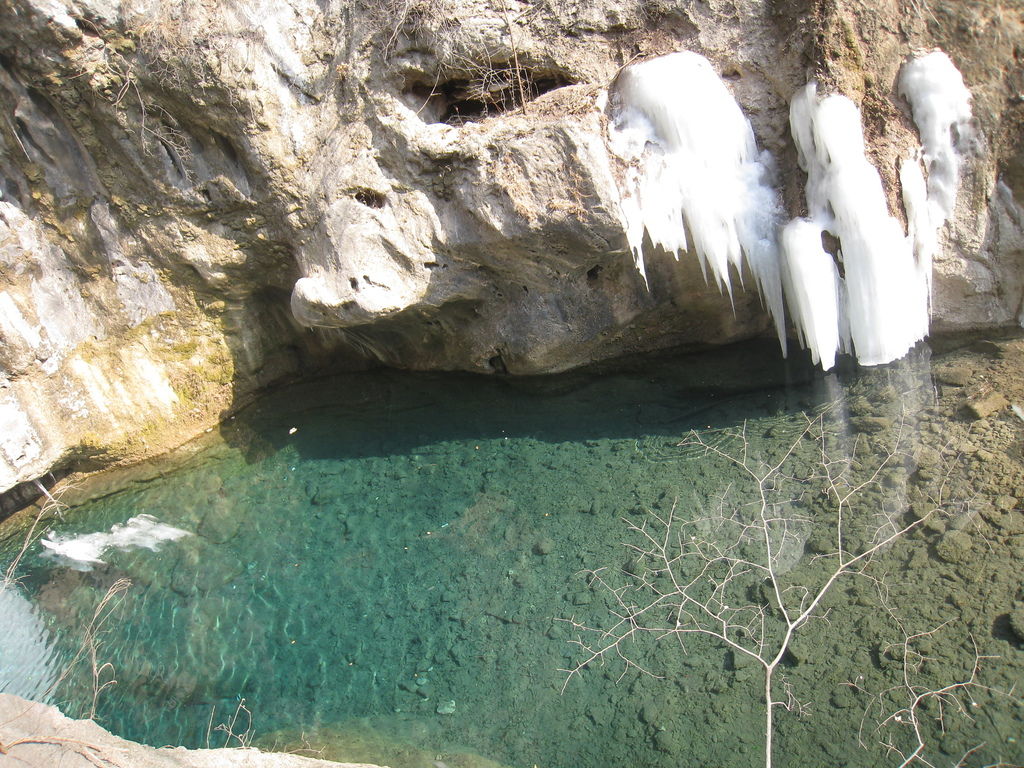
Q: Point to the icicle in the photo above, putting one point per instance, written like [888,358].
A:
[941,105]
[886,296]
[695,182]
[693,167]
[921,229]
[814,289]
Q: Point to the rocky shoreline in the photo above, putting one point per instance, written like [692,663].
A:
[39,736]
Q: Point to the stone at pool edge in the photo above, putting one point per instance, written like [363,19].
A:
[21,719]
[983,407]
[956,376]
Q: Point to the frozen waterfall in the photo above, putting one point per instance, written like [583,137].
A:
[941,105]
[694,175]
[882,298]
[694,180]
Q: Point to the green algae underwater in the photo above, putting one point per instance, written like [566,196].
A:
[393,568]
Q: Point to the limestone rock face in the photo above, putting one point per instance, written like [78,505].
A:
[201,197]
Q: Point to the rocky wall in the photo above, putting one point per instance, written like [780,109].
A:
[201,197]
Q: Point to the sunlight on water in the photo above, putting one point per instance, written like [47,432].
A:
[381,566]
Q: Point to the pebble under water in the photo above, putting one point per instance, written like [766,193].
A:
[380,567]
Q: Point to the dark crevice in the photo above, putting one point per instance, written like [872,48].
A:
[86,27]
[833,247]
[497,364]
[174,157]
[485,92]
[228,148]
[23,494]
[371,198]
[24,134]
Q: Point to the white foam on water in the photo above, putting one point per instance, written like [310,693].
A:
[84,551]
[28,664]
[695,180]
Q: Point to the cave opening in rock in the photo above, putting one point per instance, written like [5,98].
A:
[481,92]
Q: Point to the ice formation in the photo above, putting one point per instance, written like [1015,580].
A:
[28,665]
[881,304]
[694,175]
[82,552]
[814,292]
[941,105]
[694,180]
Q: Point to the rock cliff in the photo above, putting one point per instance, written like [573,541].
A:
[201,197]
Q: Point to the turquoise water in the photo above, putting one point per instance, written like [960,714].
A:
[382,565]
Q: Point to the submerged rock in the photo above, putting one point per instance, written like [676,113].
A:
[1017,622]
[446,707]
[954,547]
[871,424]
[544,547]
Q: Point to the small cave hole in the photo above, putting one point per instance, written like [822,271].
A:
[354,282]
[497,363]
[594,272]
[789,659]
[85,26]
[1002,629]
[483,92]
[371,198]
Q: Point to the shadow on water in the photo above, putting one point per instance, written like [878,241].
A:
[378,413]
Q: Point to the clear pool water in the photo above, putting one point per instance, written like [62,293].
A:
[380,565]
